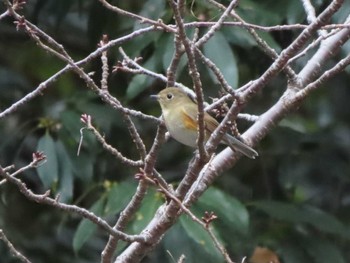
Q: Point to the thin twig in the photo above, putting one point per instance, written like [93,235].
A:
[141,70]
[181,259]
[262,28]
[104,60]
[193,72]
[86,119]
[88,80]
[142,19]
[217,25]
[19,171]
[219,76]
[314,44]
[292,49]
[151,158]
[45,199]
[5,14]
[261,43]
[288,102]
[171,71]
[135,202]
[311,15]
[248,117]
[328,74]
[12,249]
[327,49]
[47,83]
[124,218]
[187,211]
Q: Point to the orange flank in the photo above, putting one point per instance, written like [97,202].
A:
[188,121]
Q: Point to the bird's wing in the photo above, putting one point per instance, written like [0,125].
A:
[190,121]
[210,123]
[190,118]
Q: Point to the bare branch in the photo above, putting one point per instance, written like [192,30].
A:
[289,101]
[328,74]
[181,259]
[327,49]
[142,19]
[104,60]
[16,173]
[244,24]
[193,71]
[5,14]
[141,70]
[12,249]
[139,195]
[63,55]
[179,51]
[47,83]
[293,48]
[218,24]
[86,119]
[124,218]
[314,44]
[45,199]
[262,44]
[205,225]
[311,15]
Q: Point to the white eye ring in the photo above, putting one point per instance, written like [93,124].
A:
[169,96]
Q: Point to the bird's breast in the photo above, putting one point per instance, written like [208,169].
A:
[181,128]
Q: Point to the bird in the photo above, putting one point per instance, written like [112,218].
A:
[180,112]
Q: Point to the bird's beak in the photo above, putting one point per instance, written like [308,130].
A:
[155,97]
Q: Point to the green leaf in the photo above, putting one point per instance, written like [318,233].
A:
[118,196]
[270,41]
[140,82]
[65,185]
[153,9]
[219,52]
[295,12]
[325,222]
[83,165]
[60,9]
[239,36]
[228,209]
[178,242]
[86,228]
[137,45]
[71,122]
[303,214]
[198,234]
[266,12]
[103,116]
[322,251]
[342,14]
[290,252]
[300,124]
[294,124]
[48,172]
[146,212]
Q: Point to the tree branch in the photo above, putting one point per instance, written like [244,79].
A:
[12,249]
[45,199]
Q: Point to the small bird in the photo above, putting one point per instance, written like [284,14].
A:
[180,117]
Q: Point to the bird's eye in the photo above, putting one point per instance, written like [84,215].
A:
[169,96]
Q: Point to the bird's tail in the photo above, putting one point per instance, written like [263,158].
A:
[237,145]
